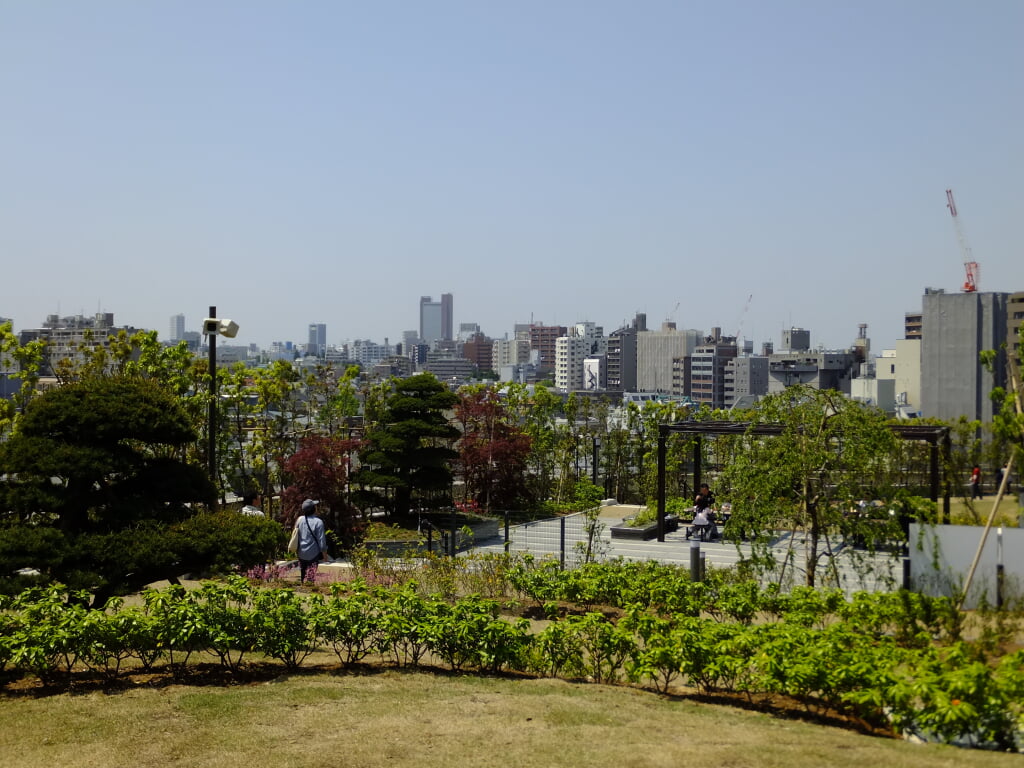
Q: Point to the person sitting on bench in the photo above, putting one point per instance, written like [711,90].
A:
[701,523]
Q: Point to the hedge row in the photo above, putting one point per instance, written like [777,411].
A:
[945,691]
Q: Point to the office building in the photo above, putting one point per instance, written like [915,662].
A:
[176,331]
[436,319]
[316,343]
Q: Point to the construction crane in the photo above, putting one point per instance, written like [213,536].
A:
[970,265]
[743,315]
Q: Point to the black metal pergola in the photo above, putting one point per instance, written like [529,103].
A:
[937,438]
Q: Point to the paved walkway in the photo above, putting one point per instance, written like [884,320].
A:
[857,569]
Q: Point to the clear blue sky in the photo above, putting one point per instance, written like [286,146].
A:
[566,161]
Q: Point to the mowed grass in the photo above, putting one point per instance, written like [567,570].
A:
[976,511]
[393,718]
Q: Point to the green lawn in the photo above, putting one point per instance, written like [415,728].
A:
[390,718]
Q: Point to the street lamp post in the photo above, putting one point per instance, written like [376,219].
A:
[211,451]
[212,326]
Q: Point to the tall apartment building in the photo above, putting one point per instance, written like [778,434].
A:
[479,350]
[912,325]
[621,358]
[176,329]
[955,329]
[368,353]
[707,370]
[543,339]
[71,337]
[582,341]
[509,352]
[436,319]
[660,358]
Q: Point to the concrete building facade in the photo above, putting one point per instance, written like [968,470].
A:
[955,329]
[510,352]
[818,369]
[70,338]
[659,355]
[745,377]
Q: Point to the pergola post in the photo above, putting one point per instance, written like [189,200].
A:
[662,444]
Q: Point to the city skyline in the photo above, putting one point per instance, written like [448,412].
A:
[741,165]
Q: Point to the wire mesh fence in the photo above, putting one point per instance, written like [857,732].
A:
[570,537]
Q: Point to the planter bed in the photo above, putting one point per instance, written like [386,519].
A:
[644,532]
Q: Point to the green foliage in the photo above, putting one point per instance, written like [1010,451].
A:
[96,497]
[831,453]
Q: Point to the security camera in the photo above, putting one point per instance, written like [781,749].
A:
[223,326]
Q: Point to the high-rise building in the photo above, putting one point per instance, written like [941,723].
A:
[478,349]
[621,359]
[708,370]
[436,319]
[176,331]
[582,341]
[316,343]
[542,341]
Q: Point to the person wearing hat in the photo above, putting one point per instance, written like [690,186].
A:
[312,539]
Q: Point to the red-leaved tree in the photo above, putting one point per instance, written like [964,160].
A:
[319,471]
[492,450]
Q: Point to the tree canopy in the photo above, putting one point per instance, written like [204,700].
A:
[407,455]
[831,454]
[95,489]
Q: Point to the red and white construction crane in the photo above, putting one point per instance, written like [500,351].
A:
[970,265]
